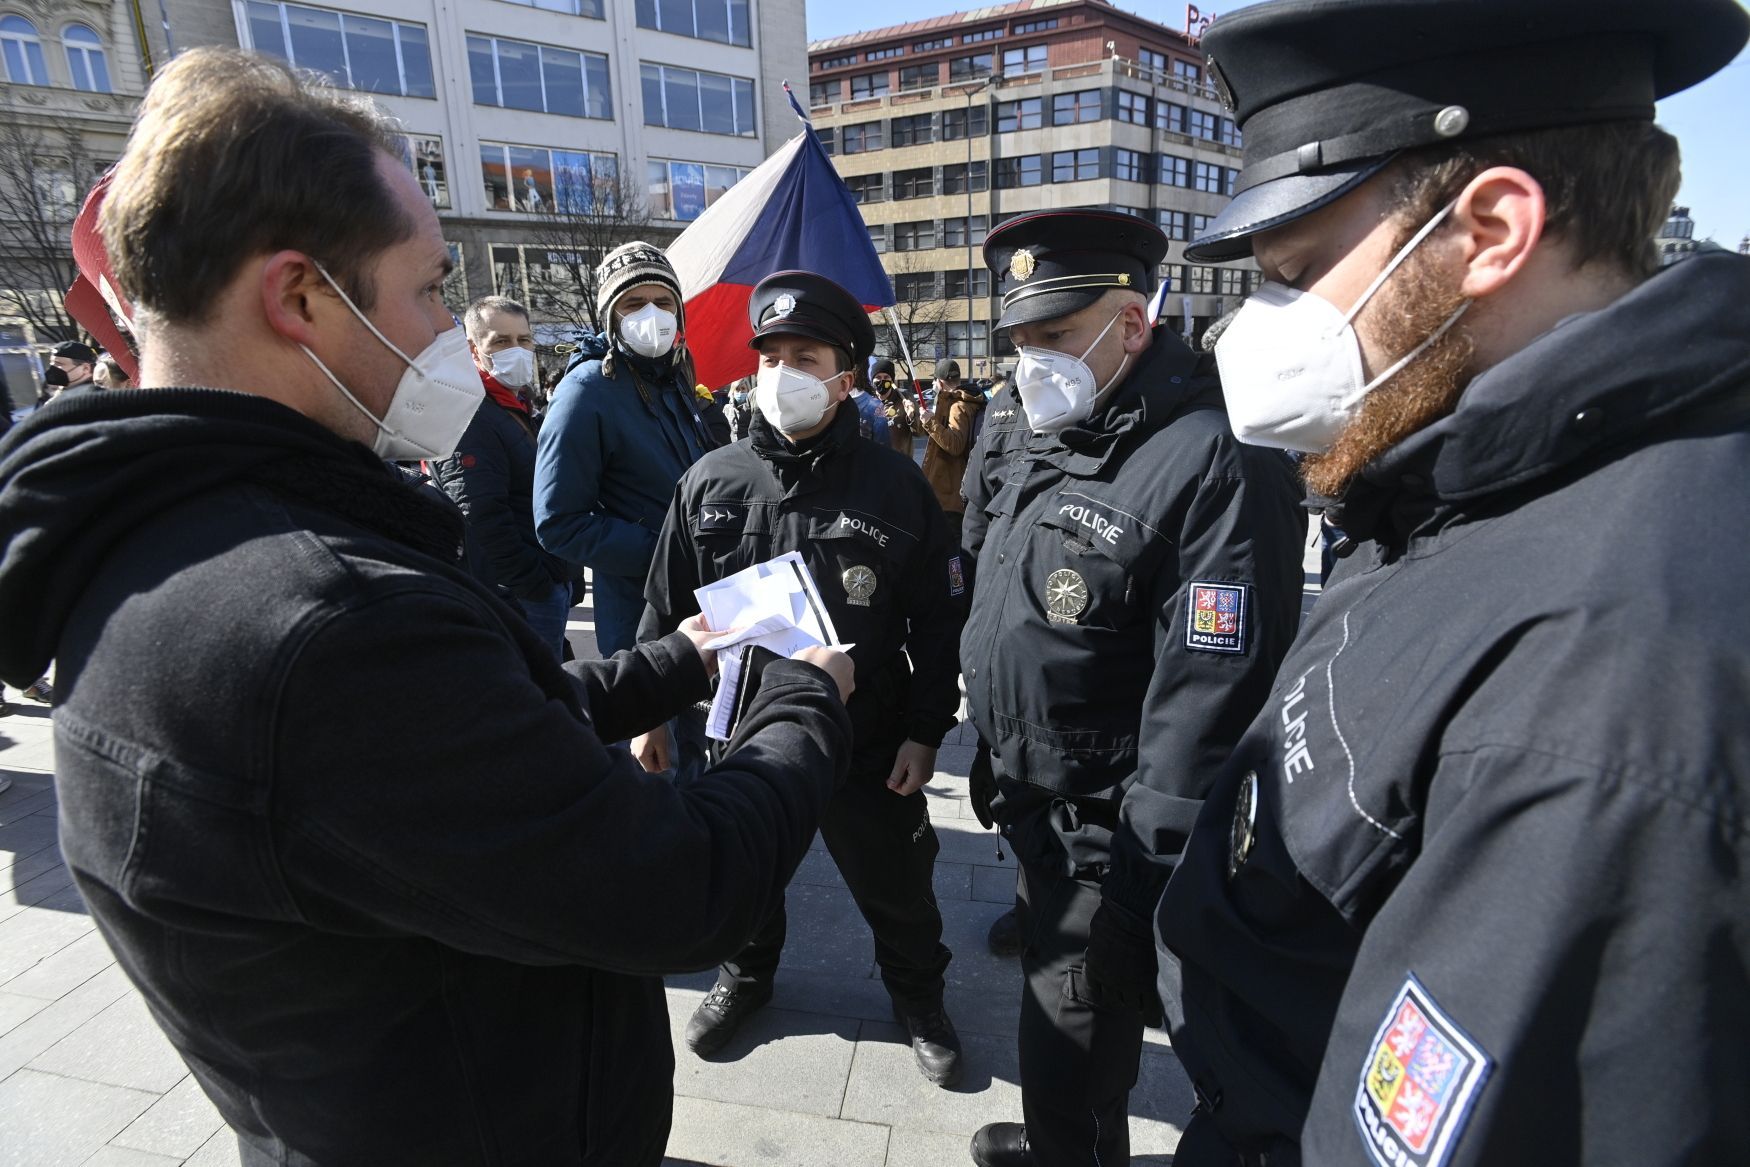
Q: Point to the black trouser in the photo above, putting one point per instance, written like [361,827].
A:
[1078,1061]
[886,850]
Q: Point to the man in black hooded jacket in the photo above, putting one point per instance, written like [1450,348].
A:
[343,817]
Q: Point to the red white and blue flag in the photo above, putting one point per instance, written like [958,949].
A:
[793,213]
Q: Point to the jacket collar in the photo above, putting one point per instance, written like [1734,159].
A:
[1165,378]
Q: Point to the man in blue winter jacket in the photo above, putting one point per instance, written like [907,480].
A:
[623,427]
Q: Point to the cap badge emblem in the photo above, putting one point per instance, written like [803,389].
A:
[784,305]
[1022,264]
[1223,93]
[1451,121]
[1124,279]
[1066,596]
[859,584]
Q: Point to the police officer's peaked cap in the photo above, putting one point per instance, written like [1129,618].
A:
[1326,92]
[800,303]
[1053,263]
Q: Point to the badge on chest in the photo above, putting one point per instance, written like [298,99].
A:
[860,583]
[1066,596]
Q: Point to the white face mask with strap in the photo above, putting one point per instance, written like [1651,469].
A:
[1057,390]
[434,401]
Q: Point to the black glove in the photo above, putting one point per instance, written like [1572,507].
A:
[1119,966]
[984,786]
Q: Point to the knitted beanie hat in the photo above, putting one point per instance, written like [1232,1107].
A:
[627,266]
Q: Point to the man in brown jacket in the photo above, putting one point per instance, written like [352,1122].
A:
[949,426]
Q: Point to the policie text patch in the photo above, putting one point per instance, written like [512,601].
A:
[1418,1083]
[1215,617]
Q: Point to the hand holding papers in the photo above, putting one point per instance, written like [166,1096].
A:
[774,605]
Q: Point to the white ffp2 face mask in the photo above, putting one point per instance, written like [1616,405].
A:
[649,332]
[1057,390]
[790,399]
[1291,363]
[434,401]
[513,367]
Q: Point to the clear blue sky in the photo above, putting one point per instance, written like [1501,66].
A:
[1709,120]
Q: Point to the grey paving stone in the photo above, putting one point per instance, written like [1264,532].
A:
[708,1133]
[14,1011]
[994,885]
[32,755]
[31,791]
[38,933]
[25,837]
[915,1148]
[779,1058]
[55,1021]
[818,868]
[55,976]
[178,1124]
[122,1046]
[886,1088]
[218,1151]
[964,841]
[57,1122]
[825,933]
[26,870]
[124,1157]
[34,890]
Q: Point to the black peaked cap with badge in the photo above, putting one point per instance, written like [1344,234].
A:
[800,303]
[1327,92]
[1053,263]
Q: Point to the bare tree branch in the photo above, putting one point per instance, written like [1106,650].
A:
[917,306]
[44,174]
[569,241]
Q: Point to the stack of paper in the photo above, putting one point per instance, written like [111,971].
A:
[774,605]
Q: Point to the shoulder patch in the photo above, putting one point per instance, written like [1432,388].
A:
[722,516]
[1215,617]
[1418,1082]
[956,577]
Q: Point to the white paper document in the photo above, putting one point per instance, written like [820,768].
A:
[774,605]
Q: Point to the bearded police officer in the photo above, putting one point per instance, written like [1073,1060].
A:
[1138,580]
[873,537]
[1471,889]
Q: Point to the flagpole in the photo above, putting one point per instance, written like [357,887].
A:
[905,352]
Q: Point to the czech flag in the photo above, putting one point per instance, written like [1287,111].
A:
[793,213]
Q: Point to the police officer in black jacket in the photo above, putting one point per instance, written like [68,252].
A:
[872,535]
[1138,581]
[1471,890]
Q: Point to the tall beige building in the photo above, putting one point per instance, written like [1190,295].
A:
[947,126]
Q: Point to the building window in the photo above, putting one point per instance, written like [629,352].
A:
[920,76]
[1230,133]
[825,92]
[1230,182]
[1200,225]
[827,138]
[1188,72]
[954,284]
[424,156]
[1175,171]
[1133,212]
[954,232]
[1132,108]
[918,236]
[868,85]
[1172,275]
[955,121]
[538,181]
[23,51]
[85,59]
[1075,165]
[911,287]
[954,178]
[1026,114]
[1030,59]
[723,21]
[964,68]
[931,46]
[878,237]
[1173,225]
[884,54]
[867,188]
[983,34]
[569,7]
[1022,171]
[1201,125]
[1232,281]
[682,190]
[1129,166]
[1151,60]
[359,52]
[860,138]
[712,103]
[1207,177]
[1069,108]
[917,130]
[959,330]
[1170,117]
[1200,280]
[1033,26]
[837,62]
[914,184]
[520,75]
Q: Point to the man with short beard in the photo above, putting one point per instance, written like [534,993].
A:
[1470,889]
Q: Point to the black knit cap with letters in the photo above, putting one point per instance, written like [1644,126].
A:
[1327,92]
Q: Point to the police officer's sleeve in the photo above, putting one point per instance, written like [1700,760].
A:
[975,489]
[674,571]
[934,612]
[569,459]
[1241,541]
[1561,975]
[477,479]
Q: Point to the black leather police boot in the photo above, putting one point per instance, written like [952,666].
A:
[1004,937]
[721,1013]
[1001,1144]
[934,1043]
